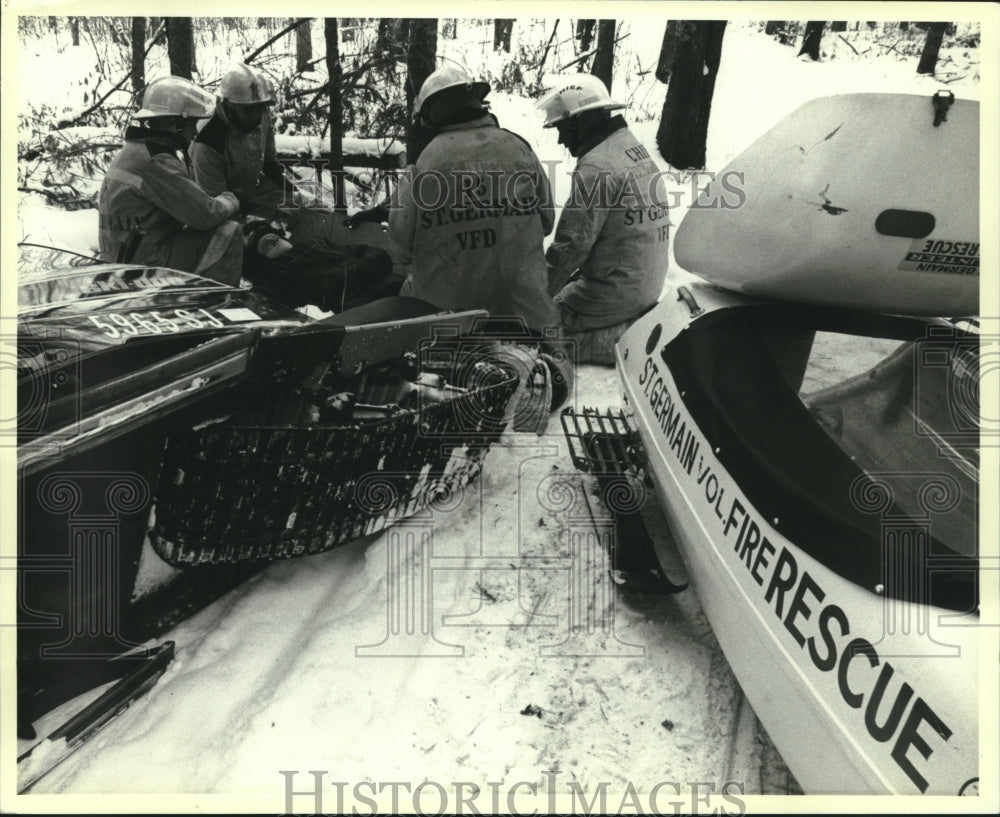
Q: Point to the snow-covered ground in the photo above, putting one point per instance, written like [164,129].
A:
[294,677]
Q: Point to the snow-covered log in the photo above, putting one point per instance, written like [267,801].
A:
[387,154]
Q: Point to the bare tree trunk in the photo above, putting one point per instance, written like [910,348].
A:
[335,117]
[838,25]
[667,51]
[180,46]
[303,48]
[421,60]
[683,130]
[585,33]
[501,34]
[932,45]
[777,29]
[74,28]
[811,39]
[604,59]
[138,54]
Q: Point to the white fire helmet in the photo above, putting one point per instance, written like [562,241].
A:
[447,77]
[175,96]
[584,92]
[243,85]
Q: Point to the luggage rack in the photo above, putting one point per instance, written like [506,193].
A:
[604,443]
[607,446]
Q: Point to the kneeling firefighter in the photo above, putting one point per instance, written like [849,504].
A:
[473,211]
[236,150]
[608,259]
[151,210]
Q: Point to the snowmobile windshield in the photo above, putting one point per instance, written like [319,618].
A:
[858,432]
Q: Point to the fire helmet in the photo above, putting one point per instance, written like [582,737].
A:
[175,96]
[243,85]
[584,92]
[447,77]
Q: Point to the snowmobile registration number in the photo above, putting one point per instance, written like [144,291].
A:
[116,325]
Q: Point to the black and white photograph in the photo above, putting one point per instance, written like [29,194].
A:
[500,409]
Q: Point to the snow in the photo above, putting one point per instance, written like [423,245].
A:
[506,680]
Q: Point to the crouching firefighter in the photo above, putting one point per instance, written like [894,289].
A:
[151,210]
[236,151]
[608,259]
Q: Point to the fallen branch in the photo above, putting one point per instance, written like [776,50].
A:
[74,201]
[315,89]
[849,45]
[275,38]
[593,51]
[545,53]
[581,58]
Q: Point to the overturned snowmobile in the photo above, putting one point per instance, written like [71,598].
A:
[815,443]
[174,434]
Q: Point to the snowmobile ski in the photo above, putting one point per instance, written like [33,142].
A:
[605,446]
[45,755]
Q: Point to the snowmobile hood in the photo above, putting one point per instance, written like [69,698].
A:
[104,348]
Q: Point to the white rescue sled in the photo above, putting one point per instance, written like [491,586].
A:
[830,528]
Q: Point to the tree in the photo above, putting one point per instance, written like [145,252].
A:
[683,129]
[585,33]
[667,51]
[421,60]
[778,30]
[811,39]
[501,34]
[932,45]
[604,58]
[390,37]
[839,25]
[303,48]
[335,116]
[138,54]
[180,46]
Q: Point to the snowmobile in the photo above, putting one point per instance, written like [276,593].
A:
[812,431]
[176,434]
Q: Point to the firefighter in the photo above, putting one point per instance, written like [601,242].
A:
[608,259]
[473,210]
[151,210]
[236,151]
